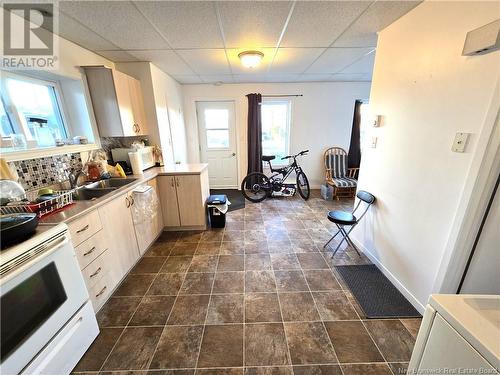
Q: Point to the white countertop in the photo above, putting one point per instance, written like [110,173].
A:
[476,318]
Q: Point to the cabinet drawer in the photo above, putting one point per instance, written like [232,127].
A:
[90,249]
[100,292]
[85,227]
[96,270]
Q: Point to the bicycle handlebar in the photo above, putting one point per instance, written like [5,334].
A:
[294,156]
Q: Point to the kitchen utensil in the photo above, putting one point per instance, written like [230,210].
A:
[16,227]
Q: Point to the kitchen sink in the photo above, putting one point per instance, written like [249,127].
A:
[83,194]
[98,189]
[110,183]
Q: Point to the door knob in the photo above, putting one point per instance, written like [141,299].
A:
[233,154]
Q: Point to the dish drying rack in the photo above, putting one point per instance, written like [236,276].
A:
[62,199]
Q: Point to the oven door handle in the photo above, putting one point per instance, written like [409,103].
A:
[20,264]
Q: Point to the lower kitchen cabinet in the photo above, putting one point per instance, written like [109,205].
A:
[168,197]
[116,218]
[183,199]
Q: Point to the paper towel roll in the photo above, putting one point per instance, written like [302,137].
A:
[135,162]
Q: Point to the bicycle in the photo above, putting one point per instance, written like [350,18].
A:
[257,186]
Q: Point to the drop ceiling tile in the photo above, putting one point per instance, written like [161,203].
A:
[187,79]
[248,24]
[117,21]
[118,56]
[336,59]
[81,35]
[319,23]
[271,77]
[237,68]
[166,60]
[294,60]
[224,78]
[250,78]
[364,65]
[191,24]
[315,78]
[380,15]
[360,77]
[206,61]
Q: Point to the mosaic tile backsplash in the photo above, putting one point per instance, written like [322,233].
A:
[38,173]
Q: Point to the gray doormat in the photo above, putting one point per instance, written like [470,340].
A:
[235,197]
[375,293]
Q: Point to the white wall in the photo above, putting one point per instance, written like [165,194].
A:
[426,92]
[320,119]
[175,111]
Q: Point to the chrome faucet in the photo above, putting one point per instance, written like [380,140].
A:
[73,178]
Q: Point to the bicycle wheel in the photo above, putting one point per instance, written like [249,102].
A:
[255,187]
[303,186]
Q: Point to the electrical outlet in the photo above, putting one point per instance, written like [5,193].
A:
[460,142]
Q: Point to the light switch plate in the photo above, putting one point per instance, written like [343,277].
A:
[373,144]
[460,142]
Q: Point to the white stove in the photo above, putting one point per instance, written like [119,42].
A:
[47,320]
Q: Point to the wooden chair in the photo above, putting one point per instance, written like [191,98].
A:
[342,179]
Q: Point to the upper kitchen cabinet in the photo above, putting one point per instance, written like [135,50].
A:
[117,101]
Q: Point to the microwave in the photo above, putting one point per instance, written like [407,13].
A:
[146,156]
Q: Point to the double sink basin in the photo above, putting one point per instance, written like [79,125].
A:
[99,189]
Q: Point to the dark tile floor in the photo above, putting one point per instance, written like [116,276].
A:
[259,297]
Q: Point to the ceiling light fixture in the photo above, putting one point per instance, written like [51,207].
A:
[250,59]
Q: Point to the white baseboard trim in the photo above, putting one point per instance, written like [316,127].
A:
[399,285]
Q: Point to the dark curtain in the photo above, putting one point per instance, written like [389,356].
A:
[354,156]
[254,133]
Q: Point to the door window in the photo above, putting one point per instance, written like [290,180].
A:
[217,128]
[28,305]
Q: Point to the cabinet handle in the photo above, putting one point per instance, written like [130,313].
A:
[83,229]
[138,128]
[177,181]
[127,202]
[97,271]
[132,201]
[173,178]
[135,128]
[89,252]
[101,292]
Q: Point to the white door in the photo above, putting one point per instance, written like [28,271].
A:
[216,126]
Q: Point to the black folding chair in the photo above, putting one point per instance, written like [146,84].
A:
[343,218]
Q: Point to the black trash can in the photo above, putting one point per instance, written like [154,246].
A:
[217,218]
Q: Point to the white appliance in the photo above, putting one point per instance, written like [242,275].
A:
[458,335]
[146,156]
[145,207]
[47,320]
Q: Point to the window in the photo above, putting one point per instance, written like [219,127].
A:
[217,128]
[30,107]
[276,127]
[6,125]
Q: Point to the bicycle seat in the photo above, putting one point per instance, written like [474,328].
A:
[268,157]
